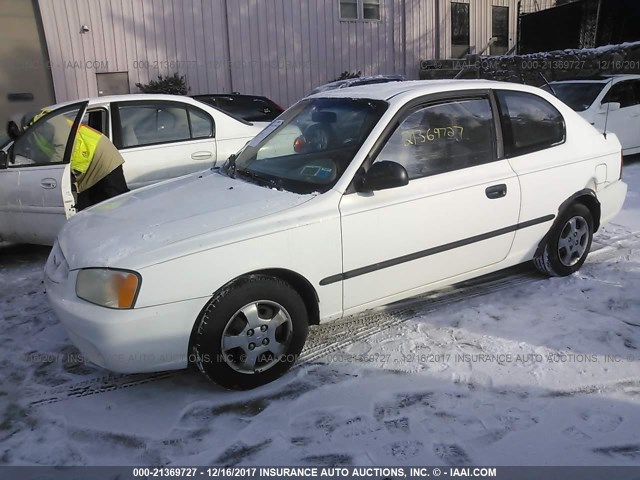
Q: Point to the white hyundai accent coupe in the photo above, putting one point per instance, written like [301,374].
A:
[353,198]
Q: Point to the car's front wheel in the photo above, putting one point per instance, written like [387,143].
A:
[568,243]
[250,333]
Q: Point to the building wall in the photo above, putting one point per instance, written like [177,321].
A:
[278,48]
[23,56]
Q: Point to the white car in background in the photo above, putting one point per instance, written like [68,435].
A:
[405,187]
[159,136]
[612,101]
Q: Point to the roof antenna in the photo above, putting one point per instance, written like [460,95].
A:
[547,83]
[606,118]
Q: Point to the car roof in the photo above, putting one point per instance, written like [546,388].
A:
[599,79]
[130,97]
[387,91]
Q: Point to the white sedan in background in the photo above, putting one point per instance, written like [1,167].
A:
[609,102]
[388,191]
[159,136]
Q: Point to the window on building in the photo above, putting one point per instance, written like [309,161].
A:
[459,29]
[500,30]
[441,138]
[529,123]
[349,9]
[371,9]
[360,10]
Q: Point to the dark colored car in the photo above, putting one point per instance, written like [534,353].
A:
[250,108]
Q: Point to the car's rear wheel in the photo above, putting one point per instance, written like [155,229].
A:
[568,243]
[250,333]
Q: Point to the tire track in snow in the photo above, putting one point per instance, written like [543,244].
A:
[334,336]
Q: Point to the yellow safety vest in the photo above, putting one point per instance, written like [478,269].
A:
[84,146]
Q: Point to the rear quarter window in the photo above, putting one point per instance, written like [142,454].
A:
[529,123]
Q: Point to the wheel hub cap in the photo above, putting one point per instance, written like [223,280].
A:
[256,337]
[572,244]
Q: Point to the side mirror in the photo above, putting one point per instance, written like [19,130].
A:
[13,130]
[384,175]
[609,107]
[4,160]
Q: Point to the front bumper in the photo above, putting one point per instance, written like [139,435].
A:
[140,340]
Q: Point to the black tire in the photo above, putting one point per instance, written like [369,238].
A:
[554,258]
[224,316]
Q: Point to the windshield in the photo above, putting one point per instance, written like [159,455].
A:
[309,146]
[579,96]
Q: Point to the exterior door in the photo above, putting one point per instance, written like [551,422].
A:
[160,140]
[625,122]
[37,197]
[457,214]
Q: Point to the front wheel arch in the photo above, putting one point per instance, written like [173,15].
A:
[297,281]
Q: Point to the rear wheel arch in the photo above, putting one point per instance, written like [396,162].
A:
[590,201]
[586,197]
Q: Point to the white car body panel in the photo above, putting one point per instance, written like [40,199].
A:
[31,213]
[624,122]
[385,223]
[189,237]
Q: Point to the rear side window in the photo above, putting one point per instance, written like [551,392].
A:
[529,123]
[201,123]
[443,137]
[151,123]
[623,93]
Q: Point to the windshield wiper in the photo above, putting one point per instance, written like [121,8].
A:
[230,165]
[260,178]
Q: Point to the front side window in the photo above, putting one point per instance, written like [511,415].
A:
[529,123]
[151,123]
[459,29]
[622,93]
[444,137]
[44,143]
[578,95]
[308,148]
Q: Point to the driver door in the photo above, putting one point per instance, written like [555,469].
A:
[36,185]
[456,214]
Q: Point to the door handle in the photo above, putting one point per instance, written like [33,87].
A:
[201,155]
[48,183]
[496,191]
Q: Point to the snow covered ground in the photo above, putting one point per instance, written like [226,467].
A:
[515,369]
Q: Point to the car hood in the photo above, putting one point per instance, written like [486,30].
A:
[143,221]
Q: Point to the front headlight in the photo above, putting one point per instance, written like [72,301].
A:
[108,288]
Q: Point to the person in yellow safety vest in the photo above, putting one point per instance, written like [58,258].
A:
[96,163]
